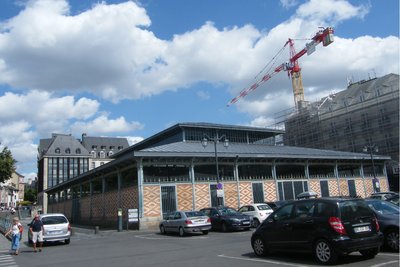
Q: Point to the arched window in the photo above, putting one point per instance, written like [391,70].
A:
[58,151]
[102,154]
[67,151]
[93,153]
[110,153]
[78,151]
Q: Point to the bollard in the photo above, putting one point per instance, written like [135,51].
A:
[119,220]
[96,230]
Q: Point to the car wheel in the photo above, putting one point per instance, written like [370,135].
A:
[370,253]
[224,228]
[256,223]
[259,247]
[392,239]
[205,232]
[324,252]
[162,230]
[181,231]
[67,241]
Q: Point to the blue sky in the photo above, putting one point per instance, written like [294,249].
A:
[120,68]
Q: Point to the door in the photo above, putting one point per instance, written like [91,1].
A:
[280,230]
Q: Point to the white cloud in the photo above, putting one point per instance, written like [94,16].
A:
[133,139]
[203,95]
[289,3]
[104,125]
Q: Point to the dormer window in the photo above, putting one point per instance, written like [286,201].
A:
[102,154]
[58,150]
[103,147]
[93,154]
[110,153]
[67,151]
[78,151]
[120,147]
[94,147]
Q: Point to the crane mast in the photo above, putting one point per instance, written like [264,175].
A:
[325,35]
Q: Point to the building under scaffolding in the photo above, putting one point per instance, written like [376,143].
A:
[365,114]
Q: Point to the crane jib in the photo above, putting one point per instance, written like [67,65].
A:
[325,36]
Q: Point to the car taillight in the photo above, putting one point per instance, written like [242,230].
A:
[69,227]
[188,222]
[337,225]
[376,224]
[209,220]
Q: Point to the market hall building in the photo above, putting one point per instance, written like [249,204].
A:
[176,170]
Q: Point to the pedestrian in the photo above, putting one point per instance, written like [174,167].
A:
[15,236]
[36,229]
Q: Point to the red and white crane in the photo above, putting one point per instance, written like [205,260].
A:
[292,67]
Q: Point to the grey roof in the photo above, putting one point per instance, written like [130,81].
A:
[195,149]
[114,144]
[359,92]
[62,142]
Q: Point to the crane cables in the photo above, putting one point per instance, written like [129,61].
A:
[268,74]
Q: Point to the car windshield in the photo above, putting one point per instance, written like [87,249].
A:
[227,211]
[354,209]
[194,214]
[384,207]
[54,220]
[263,207]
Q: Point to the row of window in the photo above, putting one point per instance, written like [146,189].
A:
[94,147]
[100,154]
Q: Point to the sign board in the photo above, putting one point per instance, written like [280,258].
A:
[220,192]
[133,215]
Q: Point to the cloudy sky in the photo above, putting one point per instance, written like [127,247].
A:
[133,68]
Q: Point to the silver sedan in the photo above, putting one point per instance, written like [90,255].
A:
[184,222]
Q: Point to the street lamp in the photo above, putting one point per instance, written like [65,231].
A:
[371,149]
[216,140]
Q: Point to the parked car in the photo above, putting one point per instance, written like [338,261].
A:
[388,218]
[276,204]
[383,195]
[326,227]
[184,222]
[258,212]
[56,228]
[225,218]
[393,199]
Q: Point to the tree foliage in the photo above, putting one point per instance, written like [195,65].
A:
[30,195]
[7,164]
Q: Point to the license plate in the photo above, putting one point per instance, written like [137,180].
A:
[55,232]
[246,222]
[199,222]
[362,229]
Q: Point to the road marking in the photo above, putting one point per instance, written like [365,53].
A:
[384,263]
[261,260]
[151,237]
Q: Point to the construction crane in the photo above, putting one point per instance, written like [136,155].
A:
[325,35]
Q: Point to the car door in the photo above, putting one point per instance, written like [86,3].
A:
[175,222]
[303,227]
[279,232]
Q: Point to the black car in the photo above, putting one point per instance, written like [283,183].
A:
[388,218]
[326,227]
[225,218]
[277,204]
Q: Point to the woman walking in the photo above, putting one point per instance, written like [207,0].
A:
[14,230]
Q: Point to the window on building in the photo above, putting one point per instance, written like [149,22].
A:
[78,151]
[58,150]
[110,153]
[93,164]
[93,154]
[102,154]
[103,147]
[67,151]
[288,190]
[94,147]
[168,200]
[258,192]
[352,188]
[324,188]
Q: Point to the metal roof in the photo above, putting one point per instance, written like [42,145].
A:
[195,149]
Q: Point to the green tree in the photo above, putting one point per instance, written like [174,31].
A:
[30,195]
[7,164]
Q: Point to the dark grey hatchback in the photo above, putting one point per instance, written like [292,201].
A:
[326,227]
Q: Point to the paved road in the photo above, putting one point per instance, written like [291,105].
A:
[139,248]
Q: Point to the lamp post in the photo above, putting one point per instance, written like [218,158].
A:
[370,149]
[216,140]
